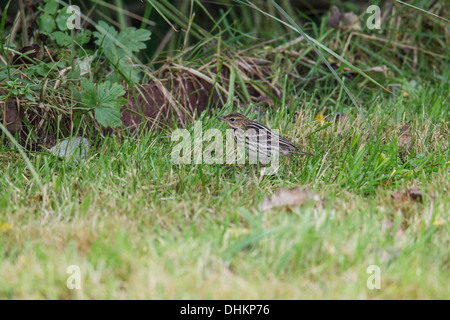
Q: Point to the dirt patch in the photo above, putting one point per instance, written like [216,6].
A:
[11,114]
[159,103]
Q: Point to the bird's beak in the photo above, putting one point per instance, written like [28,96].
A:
[221,118]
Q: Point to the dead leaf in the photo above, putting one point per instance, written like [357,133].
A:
[288,197]
[410,194]
[351,22]
[236,232]
[346,21]
[336,17]
[415,194]
[319,118]
[402,195]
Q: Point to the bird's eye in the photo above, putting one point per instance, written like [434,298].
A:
[232,119]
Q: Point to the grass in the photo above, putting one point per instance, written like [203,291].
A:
[139,226]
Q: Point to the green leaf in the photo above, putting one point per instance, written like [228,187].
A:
[127,70]
[128,40]
[45,23]
[119,47]
[29,96]
[106,99]
[89,98]
[105,35]
[109,95]
[61,38]
[83,37]
[51,6]
[132,39]
[61,19]
[108,117]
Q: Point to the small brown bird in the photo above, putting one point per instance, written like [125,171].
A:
[259,138]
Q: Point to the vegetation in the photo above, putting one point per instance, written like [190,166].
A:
[372,105]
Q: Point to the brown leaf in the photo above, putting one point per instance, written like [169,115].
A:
[288,197]
[345,21]
[351,22]
[336,17]
[410,194]
[415,194]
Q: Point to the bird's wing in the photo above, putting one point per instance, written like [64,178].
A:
[265,135]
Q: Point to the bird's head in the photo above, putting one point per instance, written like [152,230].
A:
[235,120]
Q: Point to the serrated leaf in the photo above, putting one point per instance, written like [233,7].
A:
[45,23]
[108,117]
[109,95]
[105,35]
[89,97]
[128,40]
[119,47]
[61,38]
[133,39]
[106,99]
[83,37]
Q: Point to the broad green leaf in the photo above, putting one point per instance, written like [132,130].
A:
[45,23]
[61,38]
[51,6]
[105,35]
[89,97]
[83,37]
[119,47]
[109,95]
[106,99]
[61,19]
[128,40]
[133,39]
[108,117]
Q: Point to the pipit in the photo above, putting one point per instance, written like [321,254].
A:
[259,138]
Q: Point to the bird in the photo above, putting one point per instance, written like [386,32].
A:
[259,138]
